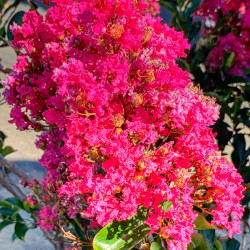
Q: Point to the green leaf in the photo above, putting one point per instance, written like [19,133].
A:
[5,204]
[15,202]
[229,244]
[246,71]
[191,7]
[167,205]
[238,154]
[121,235]
[26,206]
[2,136]
[201,223]
[170,6]
[6,212]
[2,32]
[183,25]
[209,236]
[228,59]
[237,104]
[195,31]
[4,224]
[18,19]
[15,215]
[156,246]
[198,242]
[182,63]
[181,2]
[20,230]
[14,237]
[218,245]
[7,150]
[235,79]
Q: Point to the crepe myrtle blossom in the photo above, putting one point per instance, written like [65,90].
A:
[235,40]
[125,127]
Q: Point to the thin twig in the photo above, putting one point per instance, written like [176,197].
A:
[244,236]
[9,185]
[14,169]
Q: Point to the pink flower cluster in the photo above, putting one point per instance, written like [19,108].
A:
[48,217]
[125,127]
[209,8]
[236,41]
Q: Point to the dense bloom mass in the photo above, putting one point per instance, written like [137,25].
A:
[230,22]
[125,127]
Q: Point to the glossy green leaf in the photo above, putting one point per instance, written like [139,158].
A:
[2,32]
[20,230]
[237,104]
[14,237]
[239,145]
[218,245]
[209,236]
[181,2]
[156,246]
[6,150]
[170,6]
[26,206]
[2,136]
[182,24]
[121,235]
[195,31]
[228,59]
[201,223]
[4,224]
[6,212]
[5,204]
[15,202]
[14,216]
[198,242]
[18,19]
[229,244]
